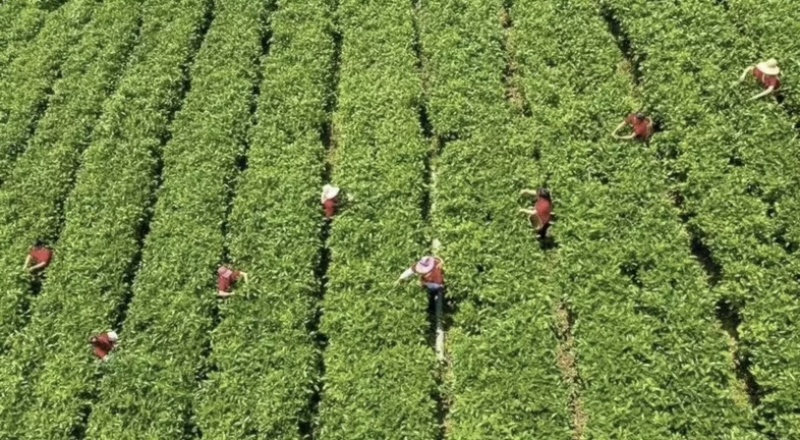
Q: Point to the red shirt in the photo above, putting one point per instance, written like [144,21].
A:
[330,208]
[41,255]
[767,80]
[543,208]
[103,346]
[641,128]
[435,276]
[226,279]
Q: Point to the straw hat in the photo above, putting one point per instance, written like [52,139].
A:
[425,265]
[113,336]
[329,192]
[224,271]
[769,67]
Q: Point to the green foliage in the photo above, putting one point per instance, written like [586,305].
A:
[264,359]
[149,387]
[87,282]
[379,365]
[741,176]
[31,198]
[644,328]
[25,88]
[505,384]
[20,21]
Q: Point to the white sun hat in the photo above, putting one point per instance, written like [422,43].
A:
[329,192]
[425,265]
[113,336]
[769,67]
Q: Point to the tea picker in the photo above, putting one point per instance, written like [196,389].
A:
[767,73]
[226,278]
[642,128]
[540,215]
[40,255]
[103,344]
[329,200]
[430,270]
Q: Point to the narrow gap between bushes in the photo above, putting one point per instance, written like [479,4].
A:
[78,430]
[41,108]
[567,361]
[61,202]
[190,428]
[633,60]
[144,226]
[515,93]
[727,314]
[309,422]
[436,142]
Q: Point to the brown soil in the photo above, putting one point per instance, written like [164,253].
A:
[567,364]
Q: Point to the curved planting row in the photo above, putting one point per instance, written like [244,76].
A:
[148,390]
[501,331]
[741,182]
[379,379]
[263,359]
[646,339]
[32,197]
[28,83]
[51,374]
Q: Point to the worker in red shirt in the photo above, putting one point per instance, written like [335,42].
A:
[226,277]
[642,128]
[329,200]
[103,344]
[431,272]
[767,73]
[39,255]
[540,214]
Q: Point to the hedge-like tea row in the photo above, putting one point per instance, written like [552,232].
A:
[645,332]
[53,371]
[264,359]
[31,198]
[149,387]
[24,88]
[379,365]
[773,26]
[742,177]
[505,383]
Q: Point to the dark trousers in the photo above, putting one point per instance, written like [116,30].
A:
[432,293]
[542,232]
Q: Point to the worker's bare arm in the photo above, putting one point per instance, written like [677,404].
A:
[619,127]
[745,72]
[38,266]
[405,276]
[769,90]
[528,211]
[528,192]
[244,276]
[27,263]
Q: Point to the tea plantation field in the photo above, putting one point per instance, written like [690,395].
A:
[151,141]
